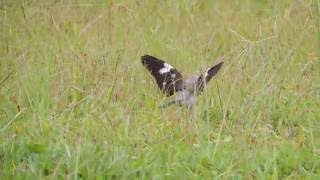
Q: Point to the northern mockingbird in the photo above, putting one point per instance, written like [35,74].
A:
[170,81]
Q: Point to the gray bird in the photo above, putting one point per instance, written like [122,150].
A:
[170,81]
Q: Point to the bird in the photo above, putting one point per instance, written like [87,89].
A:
[171,82]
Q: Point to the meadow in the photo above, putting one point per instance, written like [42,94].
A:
[76,102]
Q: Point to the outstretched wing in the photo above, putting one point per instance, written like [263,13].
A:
[207,76]
[168,78]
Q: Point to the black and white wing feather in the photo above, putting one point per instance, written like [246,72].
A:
[207,76]
[168,78]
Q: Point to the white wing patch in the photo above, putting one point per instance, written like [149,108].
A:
[206,74]
[166,68]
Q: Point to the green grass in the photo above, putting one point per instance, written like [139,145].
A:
[75,101]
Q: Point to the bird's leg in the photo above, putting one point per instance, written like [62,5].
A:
[168,104]
[191,112]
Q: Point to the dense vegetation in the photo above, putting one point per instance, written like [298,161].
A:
[75,101]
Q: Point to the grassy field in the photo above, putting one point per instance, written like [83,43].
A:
[76,103]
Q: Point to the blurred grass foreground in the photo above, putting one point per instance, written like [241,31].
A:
[75,101]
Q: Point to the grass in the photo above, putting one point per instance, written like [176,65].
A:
[75,101]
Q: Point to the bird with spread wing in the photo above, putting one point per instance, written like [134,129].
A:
[171,82]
